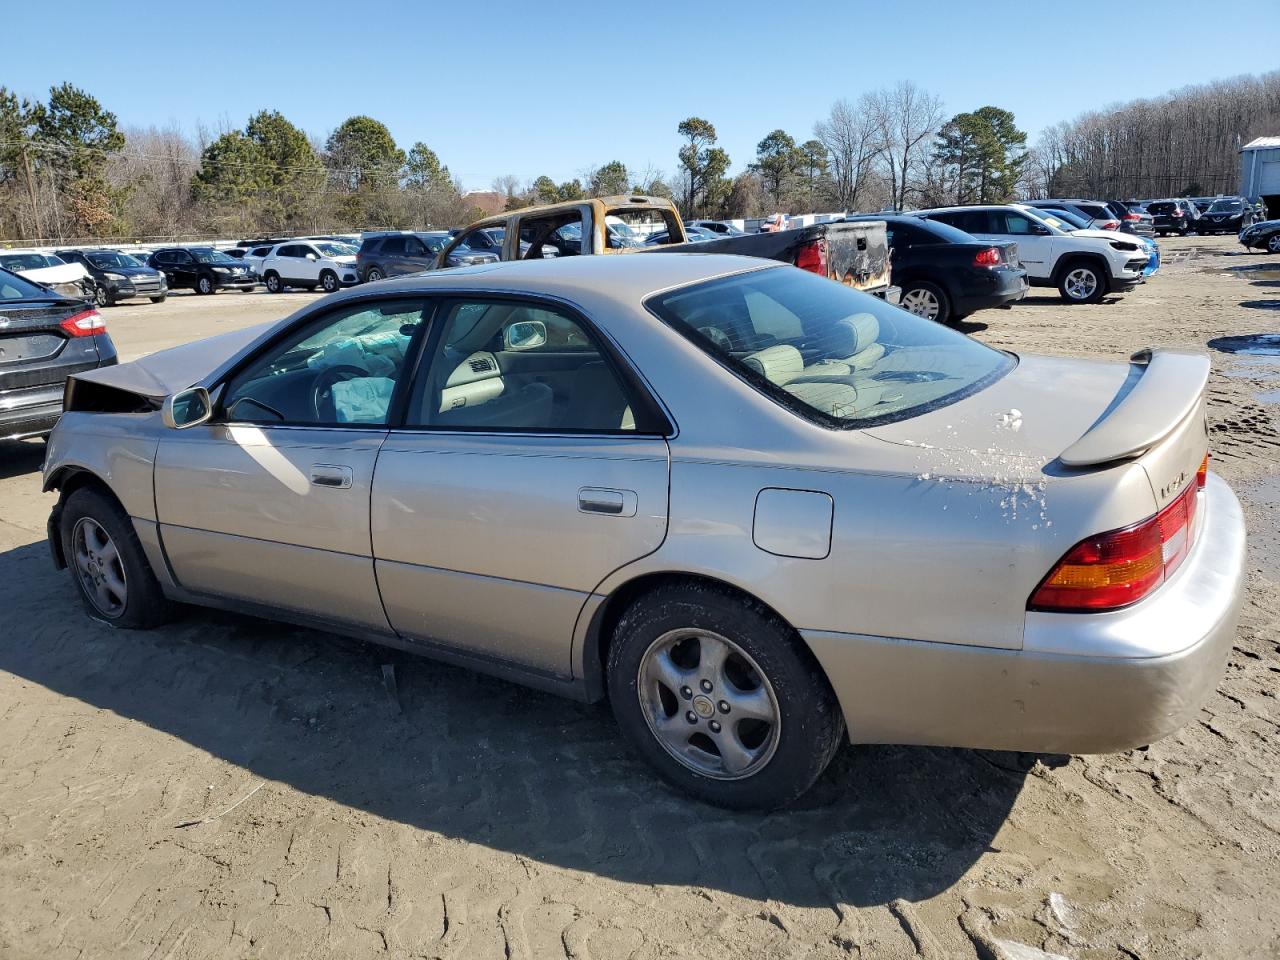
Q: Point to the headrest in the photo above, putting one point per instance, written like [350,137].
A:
[777,364]
[854,334]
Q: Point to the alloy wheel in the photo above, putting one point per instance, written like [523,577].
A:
[100,568]
[709,704]
[1081,283]
[922,303]
[1273,244]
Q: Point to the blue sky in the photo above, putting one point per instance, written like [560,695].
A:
[528,88]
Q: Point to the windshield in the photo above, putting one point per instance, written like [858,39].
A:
[333,249]
[1073,220]
[212,256]
[1055,220]
[28,261]
[105,261]
[1226,206]
[831,354]
[13,287]
[436,244]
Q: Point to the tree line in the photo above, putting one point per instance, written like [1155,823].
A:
[69,171]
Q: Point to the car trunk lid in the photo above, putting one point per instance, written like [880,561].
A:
[31,341]
[1052,416]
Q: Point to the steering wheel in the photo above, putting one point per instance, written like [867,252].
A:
[322,389]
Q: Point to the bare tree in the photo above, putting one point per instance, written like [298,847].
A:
[851,134]
[906,118]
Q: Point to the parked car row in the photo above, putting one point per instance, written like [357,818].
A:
[1200,215]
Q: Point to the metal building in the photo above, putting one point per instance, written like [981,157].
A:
[1260,172]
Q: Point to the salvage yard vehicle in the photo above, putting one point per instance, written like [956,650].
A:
[1225,215]
[1264,235]
[67,279]
[307,263]
[44,337]
[1173,216]
[760,511]
[856,254]
[394,253]
[202,269]
[944,273]
[1085,265]
[118,276]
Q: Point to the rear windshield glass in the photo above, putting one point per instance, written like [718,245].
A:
[1160,207]
[13,287]
[831,354]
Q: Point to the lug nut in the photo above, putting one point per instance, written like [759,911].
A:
[691,717]
[724,706]
[686,693]
[715,727]
[706,686]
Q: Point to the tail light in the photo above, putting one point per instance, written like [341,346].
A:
[1118,568]
[1111,225]
[812,256]
[989,257]
[1177,213]
[83,324]
[1132,217]
[1202,475]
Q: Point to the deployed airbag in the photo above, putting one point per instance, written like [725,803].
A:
[363,399]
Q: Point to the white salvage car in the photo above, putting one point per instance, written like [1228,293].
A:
[69,279]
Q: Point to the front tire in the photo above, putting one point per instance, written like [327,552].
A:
[159,299]
[110,569]
[102,298]
[329,280]
[765,723]
[205,286]
[927,300]
[1082,282]
[274,283]
[1273,243]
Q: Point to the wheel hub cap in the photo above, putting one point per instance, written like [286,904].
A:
[708,704]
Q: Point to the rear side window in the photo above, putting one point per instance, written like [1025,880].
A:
[831,354]
[393,247]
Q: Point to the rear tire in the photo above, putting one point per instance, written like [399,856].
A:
[274,283]
[752,687]
[373,275]
[1081,281]
[1273,243]
[927,300]
[108,565]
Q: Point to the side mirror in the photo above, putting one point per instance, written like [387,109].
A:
[525,335]
[1040,230]
[187,408]
[312,257]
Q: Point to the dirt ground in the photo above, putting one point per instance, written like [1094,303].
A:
[483,820]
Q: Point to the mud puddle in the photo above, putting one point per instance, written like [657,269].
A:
[1252,345]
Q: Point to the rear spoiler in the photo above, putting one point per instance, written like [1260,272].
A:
[1169,387]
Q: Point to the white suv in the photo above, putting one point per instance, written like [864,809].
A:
[1084,265]
[310,264]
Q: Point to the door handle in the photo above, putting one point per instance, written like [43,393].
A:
[606,500]
[331,475]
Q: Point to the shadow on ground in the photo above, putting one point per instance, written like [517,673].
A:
[1261,304]
[493,763]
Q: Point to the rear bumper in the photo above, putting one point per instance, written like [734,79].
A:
[1083,683]
[984,289]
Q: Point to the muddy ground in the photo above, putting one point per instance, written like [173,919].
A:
[483,820]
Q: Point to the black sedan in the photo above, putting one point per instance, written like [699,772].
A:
[44,338]
[119,276]
[946,274]
[1264,235]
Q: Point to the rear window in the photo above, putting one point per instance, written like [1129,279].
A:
[831,354]
[29,261]
[1162,207]
[14,287]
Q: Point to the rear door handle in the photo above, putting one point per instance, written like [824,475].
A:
[606,500]
[331,475]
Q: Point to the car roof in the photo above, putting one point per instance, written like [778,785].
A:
[628,276]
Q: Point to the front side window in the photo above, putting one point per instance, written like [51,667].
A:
[413,247]
[833,355]
[507,365]
[341,369]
